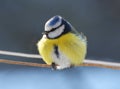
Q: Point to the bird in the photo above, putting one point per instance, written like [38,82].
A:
[61,46]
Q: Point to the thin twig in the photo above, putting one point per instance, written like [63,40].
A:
[92,63]
[86,62]
[102,64]
[19,54]
[23,63]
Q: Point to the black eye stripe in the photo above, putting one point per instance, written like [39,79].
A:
[53,29]
[67,28]
[47,32]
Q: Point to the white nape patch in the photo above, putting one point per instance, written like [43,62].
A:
[62,60]
[48,27]
[57,32]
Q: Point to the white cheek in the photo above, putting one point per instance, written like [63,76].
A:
[57,32]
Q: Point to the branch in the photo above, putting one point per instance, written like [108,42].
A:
[102,64]
[23,63]
[86,62]
[92,63]
[19,54]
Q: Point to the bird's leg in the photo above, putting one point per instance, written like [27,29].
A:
[71,66]
[57,67]
[54,66]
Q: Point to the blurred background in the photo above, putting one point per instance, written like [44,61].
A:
[22,22]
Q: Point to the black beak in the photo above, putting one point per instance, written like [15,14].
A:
[45,32]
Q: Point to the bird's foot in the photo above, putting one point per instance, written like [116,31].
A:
[54,66]
[57,67]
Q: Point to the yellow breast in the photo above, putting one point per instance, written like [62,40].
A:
[69,44]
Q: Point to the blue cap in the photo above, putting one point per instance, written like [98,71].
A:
[54,20]
[53,23]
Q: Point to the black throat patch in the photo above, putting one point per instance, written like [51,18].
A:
[56,50]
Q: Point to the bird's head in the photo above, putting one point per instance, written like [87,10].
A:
[56,27]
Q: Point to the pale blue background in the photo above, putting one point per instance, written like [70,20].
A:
[17,77]
[21,24]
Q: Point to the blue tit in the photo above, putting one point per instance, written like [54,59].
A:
[61,45]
